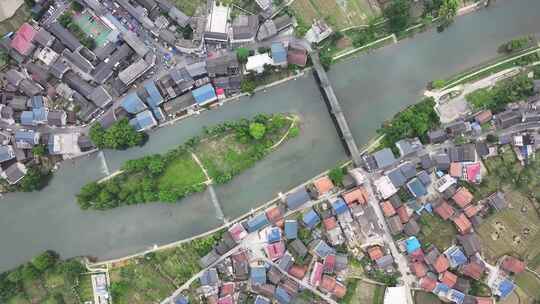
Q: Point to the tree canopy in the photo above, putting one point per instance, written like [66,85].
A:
[257,130]
[447,11]
[121,135]
[504,92]
[45,260]
[242,54]
[398,14]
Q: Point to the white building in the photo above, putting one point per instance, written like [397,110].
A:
[100,285]
[256,63]
[385,187]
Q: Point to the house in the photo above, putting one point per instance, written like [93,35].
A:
[179,104]
[356,195]
[133,104]
[153,96]
[44,38]
[462,223]
[257,222]
[497,201]
[474,269]
[261,300]
[279,54]
[470,243]
[257,63]
[455,256]
[143,121]
[26,139]
[456,128]
[299,248]
[412,244]
[65,36]
[388,209]
[22,41]
[441,264]
[508,118]
[395,225]
[512,265]
[396,176]
[297,55]
[419,269]
[339,206]
[297,271]
[217,24]
[503,287]
[462,197]
[449,279]
[204,95]
[310,218]
[244,29]
[375,252]
[275,251]
[282,296]
[297,198]
[238,232]
[258,275]
[291,229]
[318,32]
[275,214]
[6,153]
[323,185]
[316,274]
[384,187]
[321,249]
[411,228]
[408,146]
[14,173]
[223,65]
[483,117]
[384,158]
[416,187]
[428,284]
[65,143]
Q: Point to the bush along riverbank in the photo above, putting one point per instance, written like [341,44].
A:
[220,153]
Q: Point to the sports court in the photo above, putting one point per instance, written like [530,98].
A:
[93,27]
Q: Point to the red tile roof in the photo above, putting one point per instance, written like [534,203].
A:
[375,253]
[463,197]
[471,210]
[330,223]
[473,270]
[22,42]
[484,300]
[358,194]
[388,209]
[511,264]
[441,264]
[227,289]
[444,210]
[275,251]
[462,223]
[340,290]
[403,214]
[473,170]
[323,185]
[483,116]
[328,283]
[428,284]
[329,263]
[297,56]
[238,232]
[298,271]
[316,274]
[448,278]
[419,269]
[274,214]
[455,170]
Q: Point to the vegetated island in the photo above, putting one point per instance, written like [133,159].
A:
[222,152]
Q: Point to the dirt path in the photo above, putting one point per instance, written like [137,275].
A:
[293,120]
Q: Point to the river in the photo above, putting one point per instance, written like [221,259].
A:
[371,88]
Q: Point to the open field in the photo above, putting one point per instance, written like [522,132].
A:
[339,14]
[529,283]
[93,28]
[436,231]
[175,175]
[421,297]
[359,292]
[512,231]
[12,24]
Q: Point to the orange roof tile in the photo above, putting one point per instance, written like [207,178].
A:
[444,210]
[449,279]
[484,300]
[403,214]
[463,197]
[455,170]
[355,195]
[328,283]
[298,271]
[388,209]
[340,290]
[471,210]
[441,264]
[323,185]
[473,270]
[375,253]
[462,223]
[274,214]
[511,264]
[483,116]
[419,269]
[428,284]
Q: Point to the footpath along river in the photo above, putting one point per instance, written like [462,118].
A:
[371,88]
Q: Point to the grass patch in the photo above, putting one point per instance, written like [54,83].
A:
[378,294]
[436,231]
[421,297]
[12,24]
[188,7]
[529,283]
[338,14]
[182,172]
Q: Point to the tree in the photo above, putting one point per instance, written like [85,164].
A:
[242,54]
[35,179]
[248,86]
[326,60]
[492,138]
[39,150]
[336,175]
[88,194]
[121,135]
[29,272]
[263,49]
[15,276]
[447,11]
[45,260]
[72,269]
[257,130]
[76,6]
[398,14]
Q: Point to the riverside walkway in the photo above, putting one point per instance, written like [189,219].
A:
[335,109]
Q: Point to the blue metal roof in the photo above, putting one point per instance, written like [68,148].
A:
[274,235]
[291,229]
[258,275]
[181,300]
[456,256]
[133,104]
[25,136]
[412,244]
[204,94]
[323,250]
[339,206]
[416,188]
[40,115]
[27,118]
[282,296]
[297,198]
[154,97]
[456,296]
[310,218]
[441,288]
[143,121]
[505,288]
[6,153]
[279,54]
[158,114]
[261,300]
[257,222]
[36,101]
